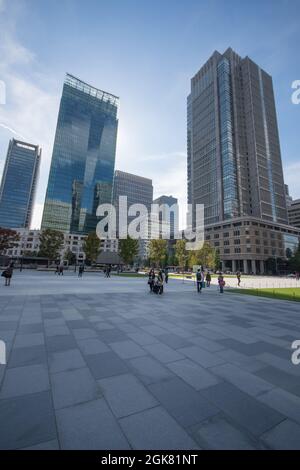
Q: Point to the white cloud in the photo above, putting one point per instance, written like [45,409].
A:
[30,111]
[12,52]
[13,131]
[37,216]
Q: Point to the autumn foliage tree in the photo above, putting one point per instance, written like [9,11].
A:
[8,239]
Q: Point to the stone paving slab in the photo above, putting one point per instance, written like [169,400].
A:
[156,429]
[91,426]
[219,434]
[103,364]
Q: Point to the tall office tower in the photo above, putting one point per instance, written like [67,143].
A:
[234,160]
[167,216]
[139,190]
[18,186]
[234,163]
[83,159]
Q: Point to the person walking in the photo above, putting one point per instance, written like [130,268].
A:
[151,279]
[238,276]
[7,274]
[61,270]
[160,282]
[57,269]
[208,279]
[80,270]
[200,280]
[166,275]
[221,283]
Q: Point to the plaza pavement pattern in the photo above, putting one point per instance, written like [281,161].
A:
[98,363]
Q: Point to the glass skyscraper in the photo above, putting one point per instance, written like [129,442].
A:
[18,184]
[234,165]
[234,159]
[83,159]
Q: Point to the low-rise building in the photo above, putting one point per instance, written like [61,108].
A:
[29,245]
[246,243]
[294,213]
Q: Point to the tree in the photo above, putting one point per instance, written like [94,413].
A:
[172,261]
[91,247]
[217,260]
[70,256]
[30,254]
[294,261]
[205,256]
[8,239]
[181,253]
[128,249]
[158,251]
[51,243]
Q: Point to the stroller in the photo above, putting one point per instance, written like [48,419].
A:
[157,286]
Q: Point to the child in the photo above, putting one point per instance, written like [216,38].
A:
[221,283]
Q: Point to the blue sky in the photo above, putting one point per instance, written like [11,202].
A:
[145,52]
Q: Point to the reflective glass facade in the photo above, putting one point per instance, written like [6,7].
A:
[18,184]
[83,160]
[229,170]
[234,162]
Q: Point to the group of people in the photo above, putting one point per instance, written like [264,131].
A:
[157,280]
[201,278]
[204,280]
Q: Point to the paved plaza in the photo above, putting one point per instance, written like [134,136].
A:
[98,363]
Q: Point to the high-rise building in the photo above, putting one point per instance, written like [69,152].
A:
[234,159]
[139,190]
[234,163]
[18,186]
[288,197]
[167,216]
[83,160]
[294,213]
